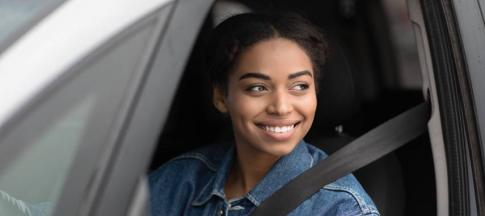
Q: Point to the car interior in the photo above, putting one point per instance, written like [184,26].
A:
[372,75]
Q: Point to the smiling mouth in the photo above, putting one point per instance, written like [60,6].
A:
[279,128]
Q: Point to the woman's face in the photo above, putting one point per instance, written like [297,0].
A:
[271,97]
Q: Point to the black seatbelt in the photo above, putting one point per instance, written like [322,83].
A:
[376,143]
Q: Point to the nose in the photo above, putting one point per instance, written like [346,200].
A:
[280,104]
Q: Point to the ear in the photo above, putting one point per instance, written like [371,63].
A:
[218,99]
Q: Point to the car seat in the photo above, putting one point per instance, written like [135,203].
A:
[338,102]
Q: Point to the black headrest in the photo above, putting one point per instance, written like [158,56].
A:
[337,96]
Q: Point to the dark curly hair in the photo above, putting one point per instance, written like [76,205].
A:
[237,33]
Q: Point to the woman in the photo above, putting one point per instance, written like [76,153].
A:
[264,69]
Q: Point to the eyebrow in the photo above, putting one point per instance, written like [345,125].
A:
[258,75]
[254,75]
[301,73]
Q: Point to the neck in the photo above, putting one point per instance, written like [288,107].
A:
[248,170]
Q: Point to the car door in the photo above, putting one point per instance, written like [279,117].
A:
[451,43]
[84,96]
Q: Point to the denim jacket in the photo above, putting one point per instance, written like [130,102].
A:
[193,184]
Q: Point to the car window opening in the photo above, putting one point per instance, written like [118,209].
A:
[372,47]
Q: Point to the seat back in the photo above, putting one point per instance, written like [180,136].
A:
[338,102]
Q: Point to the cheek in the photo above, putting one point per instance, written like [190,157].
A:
[242,106]
[308,106]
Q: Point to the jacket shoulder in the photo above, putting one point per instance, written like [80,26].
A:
[196,162]
[348,187]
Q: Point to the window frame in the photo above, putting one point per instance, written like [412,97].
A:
[128,167]
[70,202]
[448,83]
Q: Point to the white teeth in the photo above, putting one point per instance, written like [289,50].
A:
[277,129]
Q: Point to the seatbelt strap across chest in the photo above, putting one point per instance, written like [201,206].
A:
[373,145]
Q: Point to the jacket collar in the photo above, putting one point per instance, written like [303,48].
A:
[284,170]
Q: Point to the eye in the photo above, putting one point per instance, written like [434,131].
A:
[300,87]
[256,88]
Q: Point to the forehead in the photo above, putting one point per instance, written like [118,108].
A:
[277,56]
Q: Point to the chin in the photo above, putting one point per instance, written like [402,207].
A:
[278,149]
